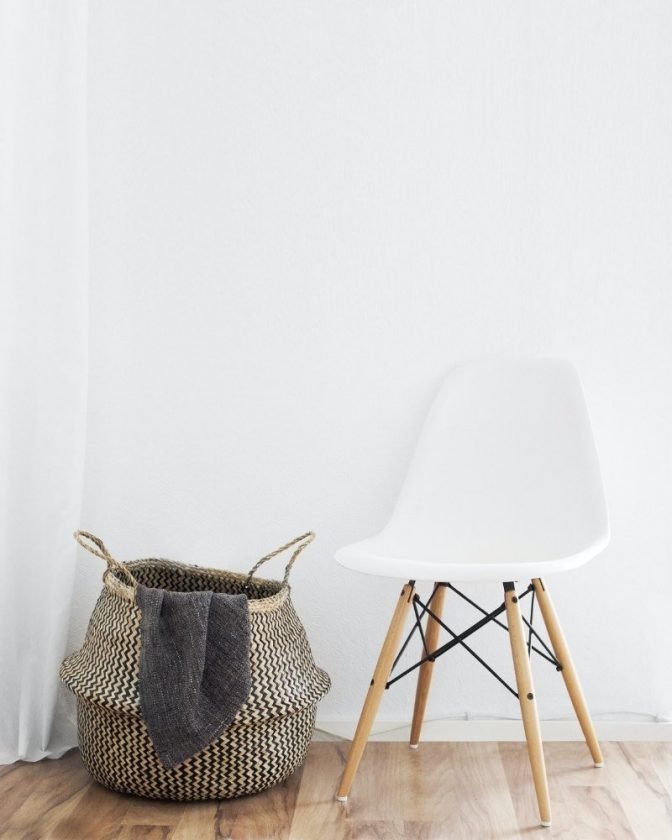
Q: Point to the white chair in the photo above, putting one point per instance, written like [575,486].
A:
[504,486]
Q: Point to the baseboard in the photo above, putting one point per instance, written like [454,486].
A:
[498,730]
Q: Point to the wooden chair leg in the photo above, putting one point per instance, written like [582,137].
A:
[568,671]
[426,669]
[528,705]
[376,689]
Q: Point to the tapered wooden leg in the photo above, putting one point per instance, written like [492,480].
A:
[528,705]
[426,669]
[376,689]
[568,671]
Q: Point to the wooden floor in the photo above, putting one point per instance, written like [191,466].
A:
[452,791]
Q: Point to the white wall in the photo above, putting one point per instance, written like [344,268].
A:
[302,215]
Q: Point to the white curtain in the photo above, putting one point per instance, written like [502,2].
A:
[43,358]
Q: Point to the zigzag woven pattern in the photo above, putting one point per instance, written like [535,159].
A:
[270,734]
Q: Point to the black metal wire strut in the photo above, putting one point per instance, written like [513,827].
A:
[421,609]
[549,656]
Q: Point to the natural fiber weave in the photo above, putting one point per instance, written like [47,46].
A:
[267,739]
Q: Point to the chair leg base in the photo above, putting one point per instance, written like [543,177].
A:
[520,650]
[569,674]
[430,642]
[376,689]
[528,706]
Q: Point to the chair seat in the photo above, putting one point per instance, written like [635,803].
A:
[422,562]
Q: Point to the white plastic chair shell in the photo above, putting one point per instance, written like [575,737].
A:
[505,482]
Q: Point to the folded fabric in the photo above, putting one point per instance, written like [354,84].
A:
[194,667]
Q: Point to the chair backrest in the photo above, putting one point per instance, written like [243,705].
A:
[505,469]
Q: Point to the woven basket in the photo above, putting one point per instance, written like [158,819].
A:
[269,736]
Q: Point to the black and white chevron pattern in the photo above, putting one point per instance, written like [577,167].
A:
[270,734]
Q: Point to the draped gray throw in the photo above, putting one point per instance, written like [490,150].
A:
[194,667]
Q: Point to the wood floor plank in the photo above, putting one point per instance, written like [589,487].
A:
[597,813]
[58,791]
[661,758]
[198,820]
[17,783]
[486,808]
[316,812]
[442,791]
[150,812]
[565,763]
[381,790]
[452,829]
[463,788]
[634,781]
[98,811]
[268,814]
[376,830]
[145,832]
[519,781]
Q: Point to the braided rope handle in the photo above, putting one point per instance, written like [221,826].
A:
[302,542]
[94,545]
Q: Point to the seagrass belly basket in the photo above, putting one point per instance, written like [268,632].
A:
[268,738]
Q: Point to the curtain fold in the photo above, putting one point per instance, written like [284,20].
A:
[43,358]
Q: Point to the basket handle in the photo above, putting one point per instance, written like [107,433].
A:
[94,545]
[302,542]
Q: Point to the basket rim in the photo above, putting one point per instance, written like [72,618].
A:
[117,586]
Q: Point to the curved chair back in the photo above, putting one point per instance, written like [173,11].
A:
[505,470]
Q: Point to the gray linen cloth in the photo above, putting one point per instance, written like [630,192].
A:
[194,667]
